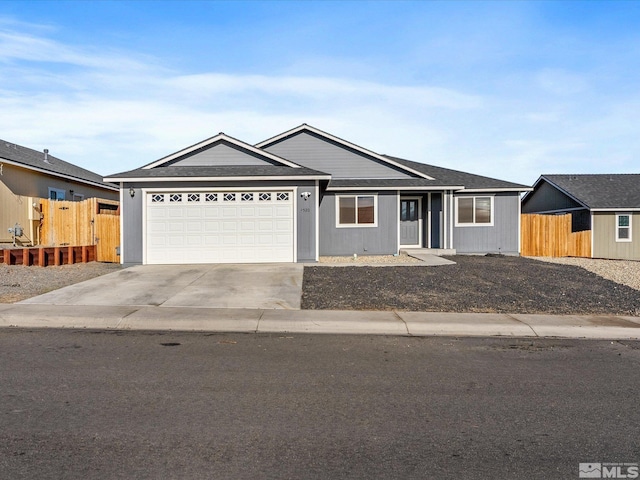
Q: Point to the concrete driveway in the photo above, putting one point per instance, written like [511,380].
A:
[262,286]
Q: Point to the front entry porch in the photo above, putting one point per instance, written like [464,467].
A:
[422,221]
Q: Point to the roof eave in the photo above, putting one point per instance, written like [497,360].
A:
[616,209]
[59,175]
[501,189]
[392,188]
[217,179]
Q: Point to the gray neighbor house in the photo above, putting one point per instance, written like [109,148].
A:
[303,194]
[606,204]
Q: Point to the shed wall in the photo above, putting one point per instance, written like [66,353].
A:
[604,237]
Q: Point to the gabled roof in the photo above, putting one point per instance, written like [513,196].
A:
[445,177]
[221,137]
[304,127]
[24,157]
[598,191]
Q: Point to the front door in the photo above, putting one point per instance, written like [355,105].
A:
[410,222]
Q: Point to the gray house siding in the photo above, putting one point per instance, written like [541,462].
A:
[132,214]
[547,199]
[379,240]
[312,151]
[306,224]
[220,154]
[604,237]
[502,237]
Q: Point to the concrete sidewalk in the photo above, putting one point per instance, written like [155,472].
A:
[317,321]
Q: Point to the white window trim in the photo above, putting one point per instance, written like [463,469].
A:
[490,224]
[630,227]
[357,225]
[58,192]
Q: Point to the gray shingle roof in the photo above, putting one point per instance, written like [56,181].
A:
[35,160]
[187,172]
[446,177]
[600,190]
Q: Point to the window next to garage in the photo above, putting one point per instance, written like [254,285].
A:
[474,211]
[357,211]
[623,227]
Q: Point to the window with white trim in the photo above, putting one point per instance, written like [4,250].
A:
[56,194]
[474,211]
[623,227]
[357,211]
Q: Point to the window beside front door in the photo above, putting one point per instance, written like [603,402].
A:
[356,211]
[623,227]
[474,211]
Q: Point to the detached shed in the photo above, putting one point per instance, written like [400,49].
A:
[606,204]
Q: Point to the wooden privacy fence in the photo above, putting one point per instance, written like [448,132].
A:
[551,236]
[93,221]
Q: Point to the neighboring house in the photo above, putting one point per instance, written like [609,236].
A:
[303,194]
[606,204]
[27,175]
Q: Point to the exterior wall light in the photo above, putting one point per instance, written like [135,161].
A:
[132,192]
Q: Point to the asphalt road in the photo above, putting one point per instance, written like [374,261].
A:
[104,405]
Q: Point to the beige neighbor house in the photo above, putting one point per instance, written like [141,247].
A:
[606,204]
[26,176]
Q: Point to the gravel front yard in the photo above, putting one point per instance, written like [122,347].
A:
[475,284]
[19,283]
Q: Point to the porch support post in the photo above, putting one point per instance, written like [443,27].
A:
[398,223]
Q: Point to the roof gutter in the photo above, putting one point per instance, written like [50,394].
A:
[506,189]
[396,188]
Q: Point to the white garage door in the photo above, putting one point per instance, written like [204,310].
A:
[219,227]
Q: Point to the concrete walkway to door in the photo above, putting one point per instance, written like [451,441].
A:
[256,286]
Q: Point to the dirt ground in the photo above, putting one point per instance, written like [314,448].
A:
[19,283]
[493,284]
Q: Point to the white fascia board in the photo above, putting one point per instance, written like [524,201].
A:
[60,175]
[215,179]
[339,140]
[489,190]
[219,137]
[619,209]
[408,189]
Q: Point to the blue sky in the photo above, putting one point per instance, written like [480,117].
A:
[504,89]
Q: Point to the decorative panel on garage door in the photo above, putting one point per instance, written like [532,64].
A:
[219,227]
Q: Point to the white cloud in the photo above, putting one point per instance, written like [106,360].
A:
[111,111]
